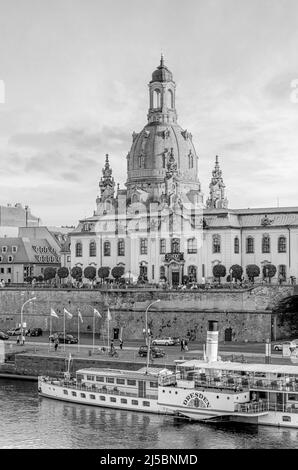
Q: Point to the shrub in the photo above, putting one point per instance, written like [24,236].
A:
[62,272]
[49,273]
[269,270]
[236,271]
[252,271]
[76,273]
[219,270]
[103,272]
[90,273]
[117,272]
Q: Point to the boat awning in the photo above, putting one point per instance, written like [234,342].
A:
[240,367]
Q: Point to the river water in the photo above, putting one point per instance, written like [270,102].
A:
[28,421]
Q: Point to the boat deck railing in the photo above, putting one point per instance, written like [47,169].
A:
[104,390]
[261,406]
[241,382]
[252,407]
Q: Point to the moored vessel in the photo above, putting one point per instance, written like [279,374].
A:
[201,390]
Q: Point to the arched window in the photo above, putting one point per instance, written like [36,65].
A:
[162,246]
[121,247]
[156,99]
[282,271]
[143,270]
[282,245]
[266,244]
[216,243]
[92,249]
[143,246]
[175,245]
[162,272]
[250,245]
[163,160]
[79,249]
[190,160]
[236,245]
[170,99]
[192,245]
[141,161]
[192,273]
[107,248]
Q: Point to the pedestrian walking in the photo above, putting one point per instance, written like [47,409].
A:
[121,344]
[56,344]
[18,339]
[112,348]
[182,344]
[23,340]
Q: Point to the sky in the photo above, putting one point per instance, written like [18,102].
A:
[76,76]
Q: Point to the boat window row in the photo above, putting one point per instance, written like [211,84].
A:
[104,398]
[113,380]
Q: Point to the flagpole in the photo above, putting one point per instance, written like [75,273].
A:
[93,340]
[50,331]
[78,332]
[64,327]
[108,331]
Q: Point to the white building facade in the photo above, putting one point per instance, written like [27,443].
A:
[158,227]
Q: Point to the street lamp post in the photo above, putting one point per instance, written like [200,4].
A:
[148,336]
[27,301]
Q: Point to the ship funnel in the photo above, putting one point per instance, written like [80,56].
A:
[212,341]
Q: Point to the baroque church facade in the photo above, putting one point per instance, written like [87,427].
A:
[160,228]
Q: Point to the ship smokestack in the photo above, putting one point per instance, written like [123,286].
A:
[212,341]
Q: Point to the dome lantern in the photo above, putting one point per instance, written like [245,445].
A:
[162,96]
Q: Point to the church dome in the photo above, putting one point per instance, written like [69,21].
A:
[162,150]
[150,151]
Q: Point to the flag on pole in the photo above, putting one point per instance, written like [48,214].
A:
[80,316]
[68,314]
[96,312]
[53,313]
[109,315]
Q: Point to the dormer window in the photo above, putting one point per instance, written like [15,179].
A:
[4,249]
[1,259]
[10,259]
[14,249]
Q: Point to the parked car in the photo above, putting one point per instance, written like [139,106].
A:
[16,331]
[68,339]
[3,335]
[35,332]
[156,352]
[166,341]
[279,346]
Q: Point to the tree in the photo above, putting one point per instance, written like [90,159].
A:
[76,273]
[49,273]
[236,271]
[269,270]
[252,271]
[117,272]
[219,270]
[40,278]
[62,272]
[90,273]
[103,272]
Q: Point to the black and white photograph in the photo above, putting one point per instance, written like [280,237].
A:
[148,228]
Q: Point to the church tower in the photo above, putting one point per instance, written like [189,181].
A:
[162,163]
[107,189]
[217,199]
